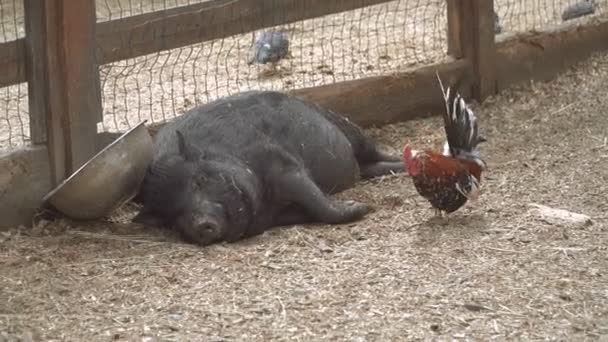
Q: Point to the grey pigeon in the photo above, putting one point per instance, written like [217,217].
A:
[270,47]
[579,9]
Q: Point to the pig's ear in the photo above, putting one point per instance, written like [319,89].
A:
[186,150]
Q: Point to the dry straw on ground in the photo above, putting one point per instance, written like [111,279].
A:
[492,272]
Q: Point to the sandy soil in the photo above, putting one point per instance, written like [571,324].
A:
[493,271]
[371,41]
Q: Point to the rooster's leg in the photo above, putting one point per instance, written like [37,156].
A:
[440,217]
[438,212]
[273,68]
[269,69]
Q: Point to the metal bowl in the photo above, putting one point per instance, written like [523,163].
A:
[106,181]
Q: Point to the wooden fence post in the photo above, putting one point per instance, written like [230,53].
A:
[63,81]
[471,36]
[455,14]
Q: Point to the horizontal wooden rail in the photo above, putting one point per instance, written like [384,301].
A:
[173,28]
[375,101]
[147,33]
[181,26]
[539,56]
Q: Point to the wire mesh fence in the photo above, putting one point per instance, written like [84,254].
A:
[14,117]
[116,9]
[11,20]
[527,15]
[369,41]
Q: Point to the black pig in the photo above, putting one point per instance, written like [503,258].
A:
[238,166]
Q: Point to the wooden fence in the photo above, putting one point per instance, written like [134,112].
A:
[64,46]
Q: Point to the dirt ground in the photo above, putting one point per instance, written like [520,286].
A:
[493,271]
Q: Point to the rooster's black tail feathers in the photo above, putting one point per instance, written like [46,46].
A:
[462,132]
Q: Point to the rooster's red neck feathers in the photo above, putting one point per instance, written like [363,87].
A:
[412,164]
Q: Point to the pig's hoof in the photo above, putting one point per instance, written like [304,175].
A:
[354,210]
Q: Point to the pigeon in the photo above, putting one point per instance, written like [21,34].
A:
[270,47]
[579,9]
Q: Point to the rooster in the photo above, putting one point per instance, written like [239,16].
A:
[450,179]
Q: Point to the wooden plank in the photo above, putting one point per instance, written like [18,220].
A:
[73,107]
[58,139]
[24,180]
[455,16]
[376,101]
[83,71]
[173,28]
[484,59]
[12,62]
[540,56]
[35,46]
[472,35]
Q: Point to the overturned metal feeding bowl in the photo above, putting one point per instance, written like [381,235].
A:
[108,180]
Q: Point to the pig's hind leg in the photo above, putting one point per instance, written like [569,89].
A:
[377,169]
[294,214]
[303,192]
[375,163]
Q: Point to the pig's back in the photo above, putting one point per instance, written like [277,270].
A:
[247,120]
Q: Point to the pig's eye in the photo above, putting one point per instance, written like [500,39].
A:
[219,210]
[218,206]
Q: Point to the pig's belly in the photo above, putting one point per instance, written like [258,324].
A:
[331,163]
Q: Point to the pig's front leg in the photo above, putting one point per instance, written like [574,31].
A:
[300,189]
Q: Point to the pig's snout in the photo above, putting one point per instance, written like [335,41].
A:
[208,227]
[207,230]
